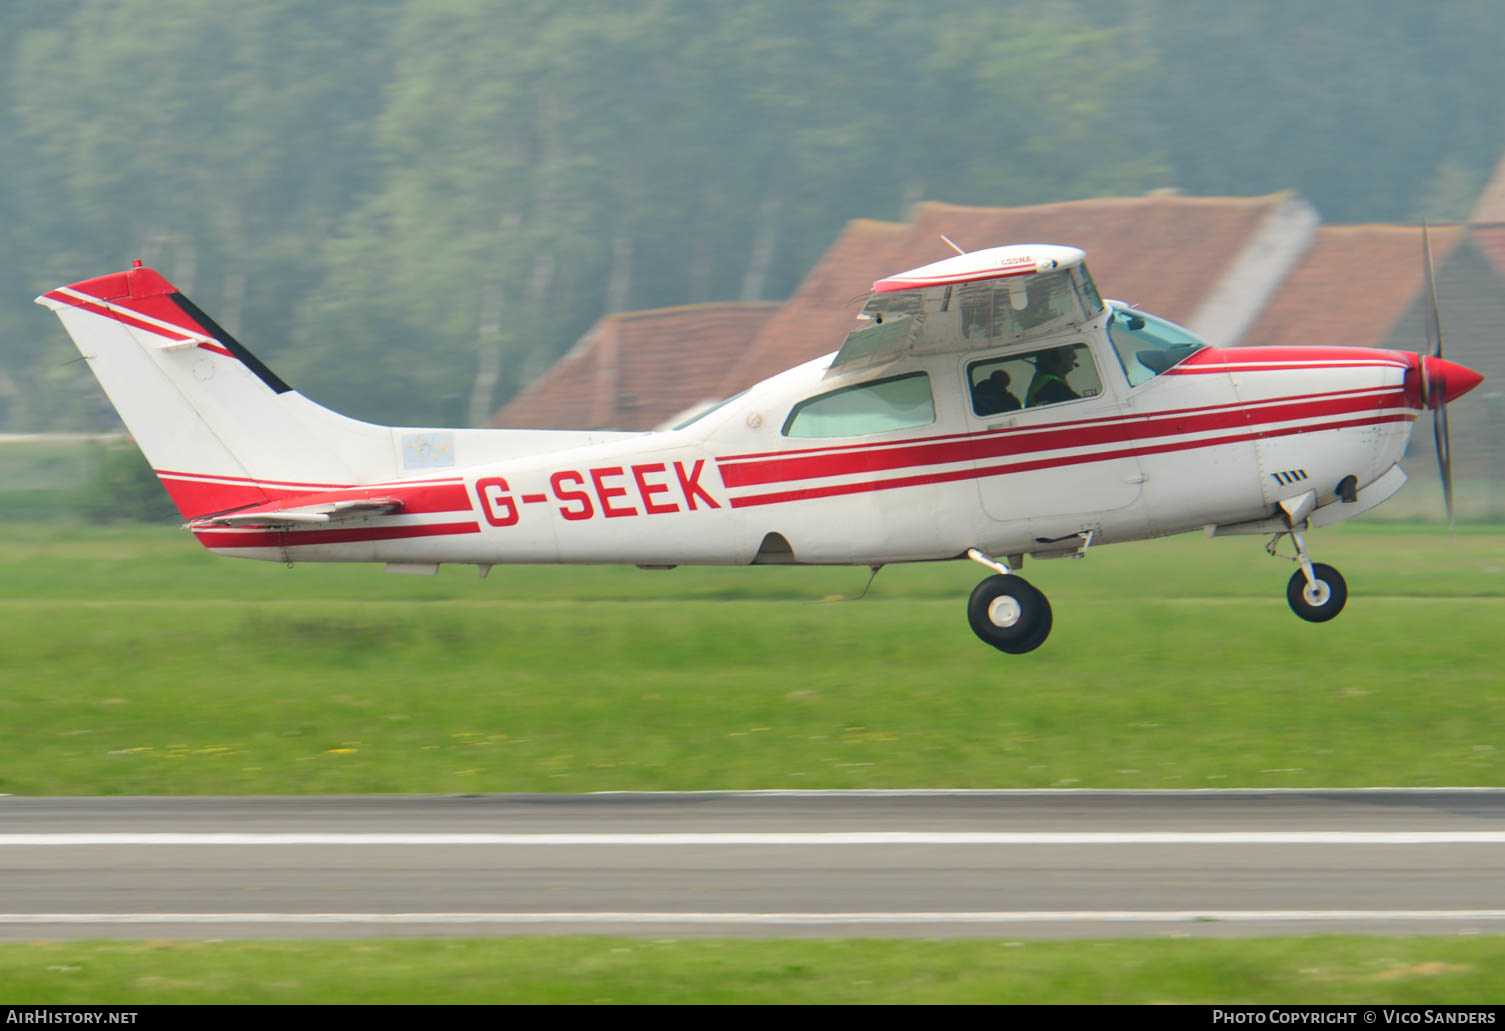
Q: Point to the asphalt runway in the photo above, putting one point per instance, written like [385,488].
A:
[776,864]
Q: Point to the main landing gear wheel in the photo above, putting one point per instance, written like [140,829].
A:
[1010,614]
[1322,598]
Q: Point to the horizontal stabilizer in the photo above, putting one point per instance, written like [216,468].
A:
[305,515]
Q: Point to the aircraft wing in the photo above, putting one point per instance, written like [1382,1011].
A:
[304,515]
[1002,294]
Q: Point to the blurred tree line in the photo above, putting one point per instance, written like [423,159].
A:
[411,207]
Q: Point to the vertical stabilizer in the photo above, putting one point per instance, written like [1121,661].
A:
[219,427]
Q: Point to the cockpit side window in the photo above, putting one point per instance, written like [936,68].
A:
[1148,345]
[1032,379]
[895,403]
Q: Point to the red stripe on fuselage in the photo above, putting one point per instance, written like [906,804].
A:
[1339,357]
[1064,424]
[996,444]
[196,498]
[197,495]
[301,486]
[1203,370]
[953,475]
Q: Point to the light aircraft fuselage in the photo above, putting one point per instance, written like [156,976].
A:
[991,406]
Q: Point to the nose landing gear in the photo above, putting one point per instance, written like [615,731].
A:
[1316,592]
[1007,611]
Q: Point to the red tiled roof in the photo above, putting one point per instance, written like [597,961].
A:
[1490,207]
[1351,288]
[1164,253]
[1491,241]
[823,309]
[633,370]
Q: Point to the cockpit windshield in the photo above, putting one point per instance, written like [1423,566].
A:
[1148,345]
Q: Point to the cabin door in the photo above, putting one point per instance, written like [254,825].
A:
[1047,439]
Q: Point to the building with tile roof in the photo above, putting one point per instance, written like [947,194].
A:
[1239,271]
[1351,287]
[1490,207]
[637,370]
[1209,262]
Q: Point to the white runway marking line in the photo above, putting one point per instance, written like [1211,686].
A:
[1449,837]
[791,919]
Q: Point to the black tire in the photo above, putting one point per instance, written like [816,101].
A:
[1335,588]
[1009,614]
[1043,623]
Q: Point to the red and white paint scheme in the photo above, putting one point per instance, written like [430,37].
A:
[989,406]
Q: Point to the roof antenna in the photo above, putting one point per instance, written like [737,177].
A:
[952,244]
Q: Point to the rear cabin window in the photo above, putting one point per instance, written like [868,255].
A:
[1033,379]
[886,404]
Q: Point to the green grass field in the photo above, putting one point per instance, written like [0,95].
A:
[1327,970]
[134,662]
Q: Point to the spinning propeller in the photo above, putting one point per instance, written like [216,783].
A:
[1441,380]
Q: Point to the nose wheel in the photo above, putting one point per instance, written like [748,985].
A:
[1007,612]
[1319,599]
[1316,592]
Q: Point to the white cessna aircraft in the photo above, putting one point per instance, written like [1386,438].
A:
[993,406]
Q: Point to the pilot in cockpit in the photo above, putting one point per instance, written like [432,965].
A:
[1049,383]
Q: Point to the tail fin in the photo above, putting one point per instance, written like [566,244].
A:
[221,429]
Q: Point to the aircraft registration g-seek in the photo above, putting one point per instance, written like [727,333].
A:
[992,406]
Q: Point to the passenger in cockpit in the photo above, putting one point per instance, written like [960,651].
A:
[992,395]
